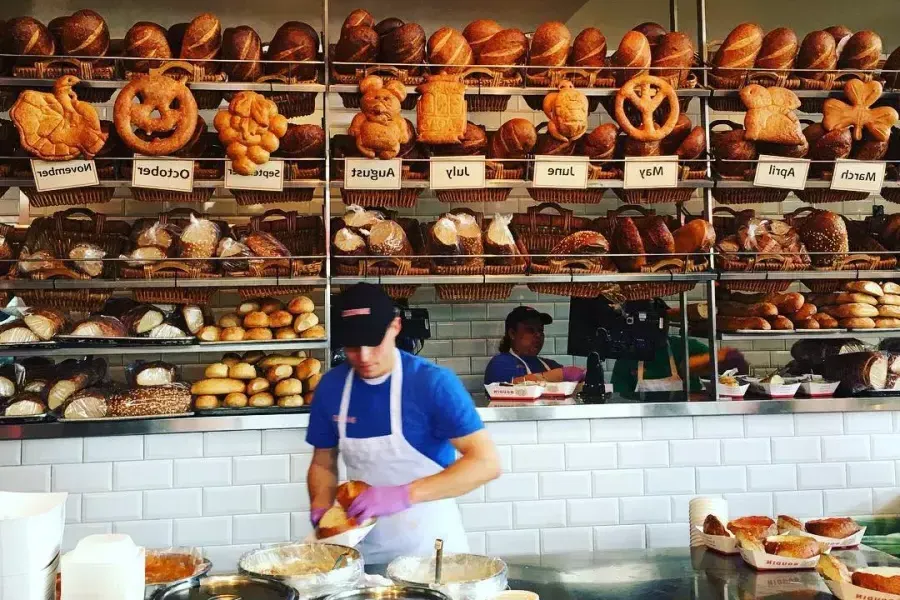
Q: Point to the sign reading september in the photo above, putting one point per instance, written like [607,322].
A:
[163,174]
[269,177]
[651,172]
[372,174]
[50,175]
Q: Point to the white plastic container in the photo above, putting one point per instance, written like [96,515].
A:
[104,567]
[37,585]
[31,530]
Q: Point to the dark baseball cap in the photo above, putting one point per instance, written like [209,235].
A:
[364,313]
[521,314]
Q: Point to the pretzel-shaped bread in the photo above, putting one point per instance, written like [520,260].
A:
[647,93]
[173,127]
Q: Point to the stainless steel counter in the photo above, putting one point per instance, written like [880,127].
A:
[672,405]
[678,573]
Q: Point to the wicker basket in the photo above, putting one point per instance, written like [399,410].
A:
[781,79]
[493,171]
[188,72]
[171,269]
[749,195]
[291,104]
[409,77]
[81,300]
[580,78]
[660,289]
[592,195]
[663,195]
[573,289]
[891,194]
[106,170]
[293,172]
[477,78]
[198,296]
[827,195]
[759,264]
[303,236]
[263,291]
[831,80]
[86,70]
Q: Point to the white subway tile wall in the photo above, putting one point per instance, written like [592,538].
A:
[579,484]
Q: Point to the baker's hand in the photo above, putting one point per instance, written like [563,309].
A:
[380,502]
[572,373]
[315,515]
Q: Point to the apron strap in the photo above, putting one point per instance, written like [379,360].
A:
[673,368]
[522,360]
[543,363]
[344,409]
[397,394]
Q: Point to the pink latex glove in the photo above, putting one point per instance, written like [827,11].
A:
[380,502]
[315,515]
[572,373]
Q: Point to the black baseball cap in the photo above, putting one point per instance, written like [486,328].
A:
[521,314]
[364,312]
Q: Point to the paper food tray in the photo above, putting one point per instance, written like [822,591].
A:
[785,390]
[728,391]
[819,389]
[497,391]
[723,544]
[37,585]
[770,562]
[760,584]
[31,529]
[559,390]
[350,538]
[847,591]
[833,543]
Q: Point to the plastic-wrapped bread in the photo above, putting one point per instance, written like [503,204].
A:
[87,404]
[469,232]
[100,326]
[235,252]
[25,405]
[45,322]
[15,331]
[199,239]
[153,373]
[361,219]
[7,387]
[144,402]
[858,371]
[40,260]
[349,243]
[88,258]
[387,238]
[194,318]
[443,240]
[142,318]
[73,378]
[166,331]
[145,255]
[265,244]
[152,234]
[499,240]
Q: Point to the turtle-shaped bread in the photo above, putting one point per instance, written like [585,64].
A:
[56,125]
[567,110]
[770,115]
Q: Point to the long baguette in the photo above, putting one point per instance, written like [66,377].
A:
[788,303]
[217,387]
[892,299]
[856,298]
[853,310]
[865,287]
[737,323]
[727,308]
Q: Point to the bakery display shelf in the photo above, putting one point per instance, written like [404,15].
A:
[228,86]
[351,88]
[171,282]
[522,184]
[819,334]
[131,418]
[525,278]
[805,275]
[251,410]
[198,183]
[810,184]
[835,93]
[69,349]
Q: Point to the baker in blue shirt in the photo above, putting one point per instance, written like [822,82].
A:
[397,421]
[522,342]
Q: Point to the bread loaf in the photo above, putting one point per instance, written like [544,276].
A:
[387,238]
[405,44]
[146,40]
[599,143]
[499,240]
[446,46]
[818,53]
[892,80]
[45,323]
[857,323]
[733,146]
[100,326]
[825,232]
[358,44]
[349,243]
[825,321]
[478,32]
[357,17]
[385,26]
[741,323]
[792,546]
[673,56]
[778,50]
[781,323]
[443,240]
[739,51]
[550,45]
[242,44]
[850,298]
[549,145]
[846,311]
[474,141]
[218,386]
[693,145]
[55,25]
[656,235]
[654,32]
[694,236]
[514,139]
[85,33]
[626,240]
[29,36]
[633,55]
[865,287]
[507,47]
[889,310]
[839,32]
[202,38]
[581,242]
[806,324]
[805,312]
[862,52]
[303,141]
[728,308]
[589,49]
[296,41]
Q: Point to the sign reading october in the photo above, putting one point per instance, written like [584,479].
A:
[372,174]
[163,174]
[457,172]
[858,175]
[644,172]
[781,172]
[570,172]
[51,175]
[269,177]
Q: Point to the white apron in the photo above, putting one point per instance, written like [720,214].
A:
[527,368]
[672,383]
[391,460]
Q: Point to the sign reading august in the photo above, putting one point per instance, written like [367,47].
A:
[372,174]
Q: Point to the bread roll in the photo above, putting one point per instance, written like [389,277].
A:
[446,46]
[85,33]
[357,45]
[293,401]
[256,319]
[308,368]
[778,50]
[846,311]
[728,308]
[739,51]
[633,54]
[673,56]
[806,324]
[781,322]
[818,53]
[861,52]
[210,333]
[229,320]
[315,332]
[312,383]
[256,385]
[278,359]
[279,372]
[792,546]
[300,305]
[892,80]
[826,321]
[305,321]
[217,387]
[262,400]
[29,36]
[216,370]
[258,334]
[550,45]
[288,387]
[202,38]
[245,308]
[386,26]
[242,43]
[589,49]
[865,287]
[852,297]
[280,318]
[242,371]
[805,312]
[232,334]
[405,44]
[294,41]
[146,40]
[236,400]
[206,402]
[892,299]
[480,31]
[357,17]
[514,139]
[742,323]
[889,310]
[508,47]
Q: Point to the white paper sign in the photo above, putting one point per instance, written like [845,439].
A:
[49,175]
[569,172]
[858,176]
[268,177]
[651,172]
[781,172]
[457,172]
[372,174]
[163,174]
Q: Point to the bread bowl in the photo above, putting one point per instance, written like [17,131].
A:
[755,526]
[792,546]
[786,524]
[833,527]
[334,522]
[713,526]
[348,491]
[883,579]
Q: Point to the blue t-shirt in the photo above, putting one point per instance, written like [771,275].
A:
[504,367]
[436,408]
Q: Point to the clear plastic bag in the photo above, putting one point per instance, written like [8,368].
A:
[153,373]
[164,566]
[358,217]
[236,252]
[88,258]
[199,238]
[154,234]
[145,255]
[499,240]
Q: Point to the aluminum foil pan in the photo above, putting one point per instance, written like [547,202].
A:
[308,568]
[463,576]
[202,567]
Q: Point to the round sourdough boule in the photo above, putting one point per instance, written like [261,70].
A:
[146,40]
[175,36]
[732,146]
[550,45]
[480,31]
[357,45]
[85,33]
[778,50]
[242,43]
[300,305]
[589,49]
[56,26]
[818,53]
[474,141]
[833,527]
[29,36]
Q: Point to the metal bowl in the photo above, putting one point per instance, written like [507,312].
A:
[219,587]
[202,567]
[393,592]
[308,568]
[464,576]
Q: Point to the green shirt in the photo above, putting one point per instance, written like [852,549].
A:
[624,375]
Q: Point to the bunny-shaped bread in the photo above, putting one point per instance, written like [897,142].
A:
[770,115]
[379,129]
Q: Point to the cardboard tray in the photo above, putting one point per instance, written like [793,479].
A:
[847,591]
[770,562]
[723,544]
[350,538]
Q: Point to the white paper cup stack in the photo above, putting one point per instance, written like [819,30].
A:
[700,508]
